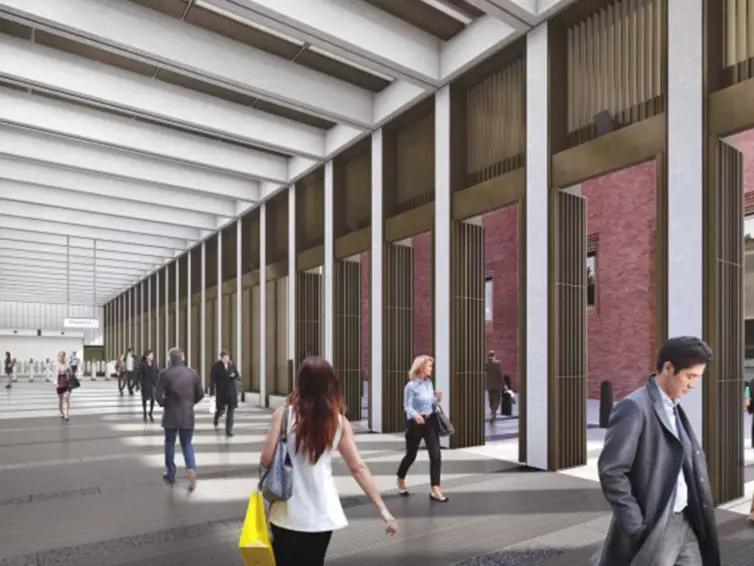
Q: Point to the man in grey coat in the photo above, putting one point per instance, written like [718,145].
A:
[653,471]
[179,388]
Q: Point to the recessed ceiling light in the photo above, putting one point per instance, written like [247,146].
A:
[245,21]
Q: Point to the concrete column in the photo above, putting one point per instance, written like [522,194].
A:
[150,344]
[375,288]
[203,317]
[441,236]
[238,353]
[168,346]
[685,181]
[177,305]
[262,305]
[537,201]
[158,354]
[189,352]
[219,302]
[329,271]
[292,279]
[141,313]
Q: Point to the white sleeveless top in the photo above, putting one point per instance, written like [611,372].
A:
[315,505]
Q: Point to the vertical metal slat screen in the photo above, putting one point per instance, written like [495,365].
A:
[727,370]
[467,335]
[398,332]
[567,401]
[347,331]
[308,315]
[615,64]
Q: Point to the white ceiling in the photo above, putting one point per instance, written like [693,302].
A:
[107,174]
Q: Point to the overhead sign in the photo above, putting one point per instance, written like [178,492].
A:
[90,323]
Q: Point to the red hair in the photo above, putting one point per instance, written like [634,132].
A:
[316,402]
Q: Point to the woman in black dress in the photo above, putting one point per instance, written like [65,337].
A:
[64,392]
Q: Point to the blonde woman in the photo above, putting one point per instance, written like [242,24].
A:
[64,393]
[420,400]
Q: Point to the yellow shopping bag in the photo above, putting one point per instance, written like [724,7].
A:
[254,545]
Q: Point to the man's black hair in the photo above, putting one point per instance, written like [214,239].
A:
[683,352]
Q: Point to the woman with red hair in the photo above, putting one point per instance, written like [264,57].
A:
[303,525]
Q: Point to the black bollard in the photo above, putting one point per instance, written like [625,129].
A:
[606,402]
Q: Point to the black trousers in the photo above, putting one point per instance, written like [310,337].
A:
[431,435]
[294,548]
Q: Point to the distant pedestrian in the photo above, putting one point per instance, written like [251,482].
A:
[9,364]
[494,377]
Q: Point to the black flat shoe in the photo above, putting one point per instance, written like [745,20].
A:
[403,492]
[168,480]
[439,498]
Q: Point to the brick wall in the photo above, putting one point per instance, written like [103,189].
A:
[501,263]
[621,329]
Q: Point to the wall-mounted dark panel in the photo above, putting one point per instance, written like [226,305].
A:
[172,275]
[211,251]
[415,164]
[310,210]
[229,252]
[183,276]
[352,191]
[277,228]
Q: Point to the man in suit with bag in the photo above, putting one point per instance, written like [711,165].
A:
[653,471]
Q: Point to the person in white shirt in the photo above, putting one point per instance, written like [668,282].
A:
[303,525]
[130,366]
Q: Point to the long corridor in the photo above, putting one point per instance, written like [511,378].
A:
[89,493]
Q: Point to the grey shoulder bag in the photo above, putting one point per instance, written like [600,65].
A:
[276,483]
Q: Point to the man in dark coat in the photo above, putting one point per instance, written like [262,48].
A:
[179,388]
[494,382]
[653,471]
[225,386]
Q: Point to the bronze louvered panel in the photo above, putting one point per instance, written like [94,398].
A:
[255,340]
[283,380]
[467,335]
[414,164]
[310,210]
[567,340]
[172,338]
[229,252]
[308,315]
[277,228]
[724,382]
[398,332]
[182,339]
[194,352]
[357,200]
[153,332]
[247,336]
[347,335]
[210,336]
[738,40]
[616,63]
[661,252]
[270,338]
[227,324]
[495,124]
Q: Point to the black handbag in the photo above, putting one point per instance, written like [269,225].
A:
[73,383]
[444,425]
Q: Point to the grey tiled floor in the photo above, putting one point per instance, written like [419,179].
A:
[88,493]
